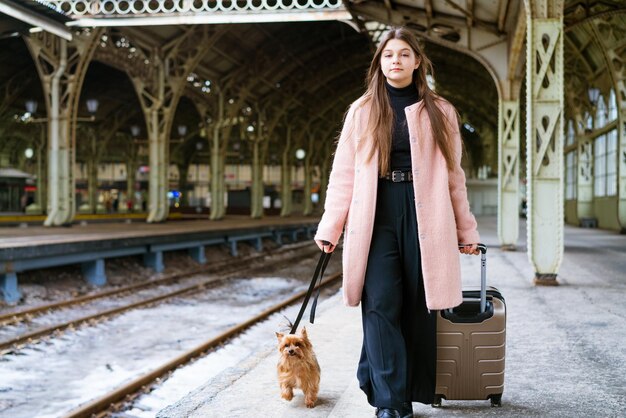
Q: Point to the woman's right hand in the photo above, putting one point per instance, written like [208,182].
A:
[325,246]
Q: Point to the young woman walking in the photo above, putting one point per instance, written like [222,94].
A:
[398,188]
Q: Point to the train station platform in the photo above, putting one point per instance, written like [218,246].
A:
[565,353]
[91,244]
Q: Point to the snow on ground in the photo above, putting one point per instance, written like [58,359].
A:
[93,307]
[188,378]
[53,377]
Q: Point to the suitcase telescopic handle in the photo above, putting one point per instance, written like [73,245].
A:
[483,275]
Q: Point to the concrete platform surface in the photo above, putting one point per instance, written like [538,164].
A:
[13,237]
[566,345]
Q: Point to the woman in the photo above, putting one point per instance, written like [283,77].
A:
[397,185]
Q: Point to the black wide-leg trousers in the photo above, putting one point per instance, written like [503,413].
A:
[398,358]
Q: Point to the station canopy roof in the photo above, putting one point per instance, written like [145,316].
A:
[309,72]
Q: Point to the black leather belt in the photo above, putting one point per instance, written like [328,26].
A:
[398,176]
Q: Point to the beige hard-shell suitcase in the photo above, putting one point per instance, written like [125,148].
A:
[471,345]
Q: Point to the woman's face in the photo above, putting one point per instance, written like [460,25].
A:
[397,62]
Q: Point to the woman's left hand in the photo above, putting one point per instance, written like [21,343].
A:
[470,249]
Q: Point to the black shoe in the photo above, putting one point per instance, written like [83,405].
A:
[407,410]
[387,413]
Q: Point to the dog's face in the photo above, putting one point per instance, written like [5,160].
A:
[294,345]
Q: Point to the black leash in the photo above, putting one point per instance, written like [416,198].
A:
[317,276]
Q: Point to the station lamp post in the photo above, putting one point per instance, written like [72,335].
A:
[31,106]
[197,193]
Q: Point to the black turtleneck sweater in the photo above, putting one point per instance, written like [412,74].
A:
[400,145]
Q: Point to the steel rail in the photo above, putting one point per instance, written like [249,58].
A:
[31,336]
[101,404]
[16,316]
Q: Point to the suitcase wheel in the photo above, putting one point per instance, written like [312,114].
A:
[437,401]
[496,400]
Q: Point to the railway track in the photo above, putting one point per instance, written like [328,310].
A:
[226,269]
[27,314]
[116,399]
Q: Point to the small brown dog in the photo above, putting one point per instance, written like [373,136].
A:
[298,367]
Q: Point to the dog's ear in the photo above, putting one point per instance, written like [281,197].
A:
[280,336]
[304,334]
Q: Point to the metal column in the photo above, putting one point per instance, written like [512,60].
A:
[217,163]
[584,186]
[58,148]
[621,157]
[62,67]
[508,167]
[259,152]
[544,81]
[308,177]
[285,176]
[256,187]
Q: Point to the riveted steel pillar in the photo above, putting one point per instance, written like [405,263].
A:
[62,67]
[159,121]
[621,156]
[256,186]
[308,177]
[325,170]
[584,159]
[259,151]
[158,207]
[285,177]
[227,120]
[544,137]
[217,164]
[58,149]
[508,167]
[131,157]
[92,172]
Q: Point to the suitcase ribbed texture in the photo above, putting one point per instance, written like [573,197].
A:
[470,356]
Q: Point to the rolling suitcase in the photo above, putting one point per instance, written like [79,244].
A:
[471,345]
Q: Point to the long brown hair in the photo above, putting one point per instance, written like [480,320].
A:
[380,121]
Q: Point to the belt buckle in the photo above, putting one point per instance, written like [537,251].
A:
[397,176]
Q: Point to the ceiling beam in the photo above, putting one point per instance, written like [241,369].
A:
[37,20]
[503,8]
[213,18]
